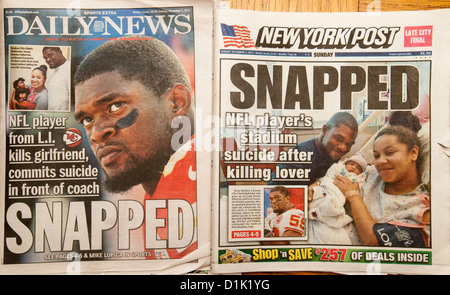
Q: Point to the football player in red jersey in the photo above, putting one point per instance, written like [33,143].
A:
[289,221]
[127,95]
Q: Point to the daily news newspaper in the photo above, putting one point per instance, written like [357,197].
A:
[102,110]
[333,153]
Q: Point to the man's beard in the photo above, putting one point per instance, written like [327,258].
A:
[136,171]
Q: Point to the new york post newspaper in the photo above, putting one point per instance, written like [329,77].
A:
[333,142]
[101,166]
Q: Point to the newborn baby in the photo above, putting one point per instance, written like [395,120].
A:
[329,221]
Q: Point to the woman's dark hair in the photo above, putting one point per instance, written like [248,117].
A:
[406,119]
[43,69]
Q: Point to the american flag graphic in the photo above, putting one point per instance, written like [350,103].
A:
[238,36]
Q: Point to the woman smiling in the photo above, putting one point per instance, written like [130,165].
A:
[393,208]
[38,97]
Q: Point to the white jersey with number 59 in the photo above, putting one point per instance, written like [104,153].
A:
[291,220]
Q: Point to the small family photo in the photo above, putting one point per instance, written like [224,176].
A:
[39,78]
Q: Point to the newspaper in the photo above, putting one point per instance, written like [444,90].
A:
[87,190]
[102,169]
[310,173]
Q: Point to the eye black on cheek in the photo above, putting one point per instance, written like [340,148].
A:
[128,120]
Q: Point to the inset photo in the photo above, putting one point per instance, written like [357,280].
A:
[39,78]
